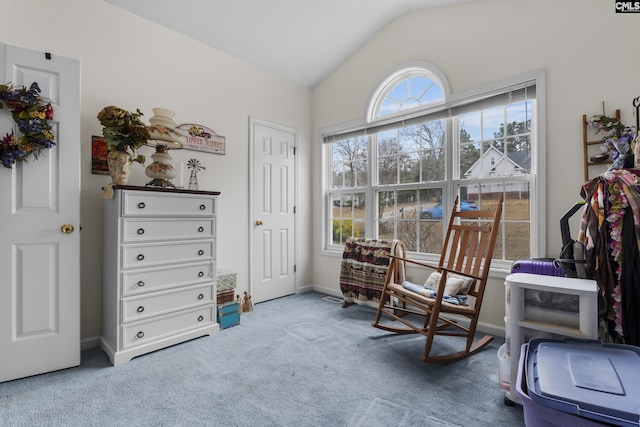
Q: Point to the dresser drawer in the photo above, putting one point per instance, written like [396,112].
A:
[141,203]
[151,279]
[138,230]
[163,302]
[145,332]
[154,254]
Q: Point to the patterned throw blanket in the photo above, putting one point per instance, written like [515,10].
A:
[364,268]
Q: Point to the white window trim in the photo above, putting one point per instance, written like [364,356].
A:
[538,154]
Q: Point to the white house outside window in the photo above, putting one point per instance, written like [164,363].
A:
[398,175]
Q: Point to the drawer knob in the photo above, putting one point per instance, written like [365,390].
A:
[200,318]
[140,283]
[200,252]
[202,207]
[140,334]
[141,205]
[200,229]
[140,309]
[200,296]
[140,257]
[200,273]
[140,230]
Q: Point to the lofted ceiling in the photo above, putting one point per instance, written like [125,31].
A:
[300,40]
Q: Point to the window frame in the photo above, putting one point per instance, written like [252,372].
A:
[452,182]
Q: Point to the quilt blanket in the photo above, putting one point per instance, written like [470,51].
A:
[364,268]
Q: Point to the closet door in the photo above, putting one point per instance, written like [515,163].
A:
[40,232]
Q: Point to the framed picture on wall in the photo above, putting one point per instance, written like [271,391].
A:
[99,156]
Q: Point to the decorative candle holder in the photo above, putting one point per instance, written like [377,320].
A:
[163,138]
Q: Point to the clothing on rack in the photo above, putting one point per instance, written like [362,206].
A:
[610,231]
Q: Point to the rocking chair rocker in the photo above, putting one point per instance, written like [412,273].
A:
[464,261]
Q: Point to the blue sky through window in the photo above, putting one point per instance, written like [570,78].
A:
[409,93]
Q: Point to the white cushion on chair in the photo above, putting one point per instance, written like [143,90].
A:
[455,283]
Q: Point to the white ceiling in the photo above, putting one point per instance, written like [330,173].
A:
[301,40]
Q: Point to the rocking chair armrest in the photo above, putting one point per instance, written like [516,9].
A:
[435,267]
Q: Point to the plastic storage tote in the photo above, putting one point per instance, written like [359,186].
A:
[579,383]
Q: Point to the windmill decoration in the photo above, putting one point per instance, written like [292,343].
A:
[195,166]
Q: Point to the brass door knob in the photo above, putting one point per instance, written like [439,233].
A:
[259,222]
[67,229]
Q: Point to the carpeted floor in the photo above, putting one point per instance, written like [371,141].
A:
[302,360]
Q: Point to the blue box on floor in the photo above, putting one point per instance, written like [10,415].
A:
[228,314]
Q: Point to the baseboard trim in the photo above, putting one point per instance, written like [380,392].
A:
[88,343]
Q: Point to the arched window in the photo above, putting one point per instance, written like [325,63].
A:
[411,88]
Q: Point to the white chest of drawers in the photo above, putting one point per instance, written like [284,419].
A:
[159,265]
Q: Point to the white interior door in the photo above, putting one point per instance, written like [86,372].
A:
[40,265]
[272,211]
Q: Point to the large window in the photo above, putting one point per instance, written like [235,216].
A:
[398,175]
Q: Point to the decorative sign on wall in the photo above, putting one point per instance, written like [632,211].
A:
[201,138]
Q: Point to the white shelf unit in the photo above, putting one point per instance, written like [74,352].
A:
[539,306]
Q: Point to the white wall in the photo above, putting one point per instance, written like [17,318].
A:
[133,63]
[588,51]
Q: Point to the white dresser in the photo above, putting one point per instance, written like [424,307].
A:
[159,267]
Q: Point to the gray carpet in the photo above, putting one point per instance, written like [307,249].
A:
[295,361]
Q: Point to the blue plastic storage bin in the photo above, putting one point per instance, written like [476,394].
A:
[583,383]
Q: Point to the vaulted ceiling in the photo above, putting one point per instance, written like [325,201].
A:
[301,40]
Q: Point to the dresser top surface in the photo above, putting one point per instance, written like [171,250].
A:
[164,190]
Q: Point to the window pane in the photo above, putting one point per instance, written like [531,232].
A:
[409,168]
[347,216]
[493,122]
[517,205]
[517,241]
[407,233]
[388,150]
[343,229]
[385,229]
[420,86]
[433,166]
[431,204]
[412,153]
[410,138]
[519,118]
[470,160]
[469,127]
[431,237]
[386,204]
[348,161]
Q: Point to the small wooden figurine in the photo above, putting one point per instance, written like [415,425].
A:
[239,302]
[247,305]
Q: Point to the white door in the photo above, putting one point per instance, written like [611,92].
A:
[273,211]
[39,264]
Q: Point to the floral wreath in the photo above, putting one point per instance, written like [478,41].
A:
[32,114]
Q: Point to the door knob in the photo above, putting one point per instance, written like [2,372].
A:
[259,222]
[67,229]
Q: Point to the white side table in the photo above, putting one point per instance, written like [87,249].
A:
[540,306]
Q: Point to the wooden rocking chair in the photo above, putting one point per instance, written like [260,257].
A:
[465,261]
